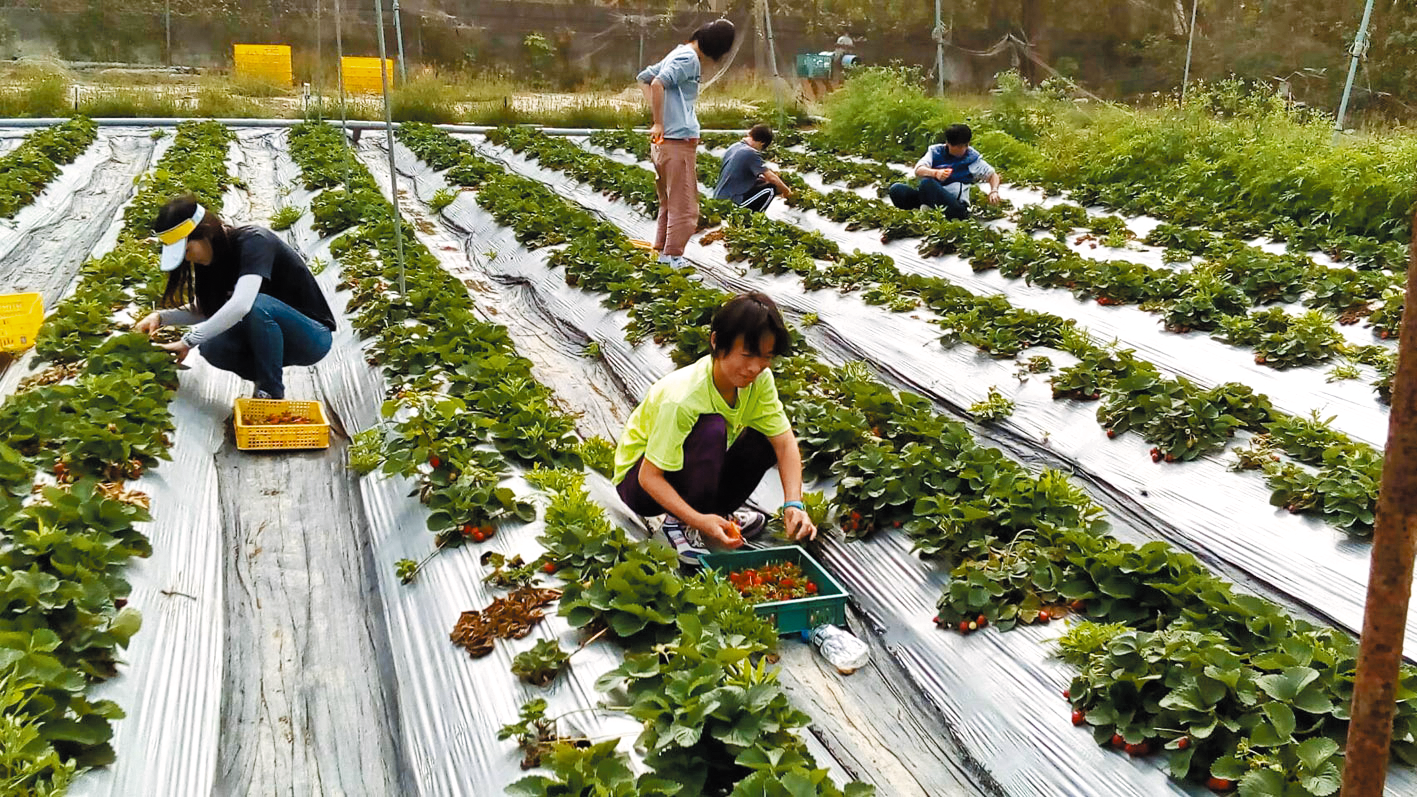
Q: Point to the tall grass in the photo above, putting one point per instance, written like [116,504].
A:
[131,102]
[35,92]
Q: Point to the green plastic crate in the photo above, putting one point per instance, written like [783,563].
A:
[814,65]
[827,606]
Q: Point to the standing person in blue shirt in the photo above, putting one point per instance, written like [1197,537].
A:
[744,178]
[946,172]
[671,87]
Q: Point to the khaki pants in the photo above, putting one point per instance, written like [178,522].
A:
[676,180]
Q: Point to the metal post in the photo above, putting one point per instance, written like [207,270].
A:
[776,77]
[398,34]
[1190,43]
[319,59]
[339,63]
[1389,578]
[389,143]
[167,14]
[1360,49]
[772,46]
[939,52]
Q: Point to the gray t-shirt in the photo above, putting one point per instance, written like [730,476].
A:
[742,166]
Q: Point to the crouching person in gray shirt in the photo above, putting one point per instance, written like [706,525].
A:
[745,179]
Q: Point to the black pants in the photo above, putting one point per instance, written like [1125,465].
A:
[716,478]
[759,196]
[931,194]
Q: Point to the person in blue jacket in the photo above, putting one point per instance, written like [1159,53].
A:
[946,172]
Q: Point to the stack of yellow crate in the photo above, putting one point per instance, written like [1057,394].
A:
[266,61]
[361,75]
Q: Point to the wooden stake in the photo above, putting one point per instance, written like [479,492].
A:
[1389,578]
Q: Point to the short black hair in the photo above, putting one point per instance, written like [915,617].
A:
[715,38]
[958,134]
[749,316]
[761,134]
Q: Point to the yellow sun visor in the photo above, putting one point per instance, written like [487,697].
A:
[178,233]
[174,241]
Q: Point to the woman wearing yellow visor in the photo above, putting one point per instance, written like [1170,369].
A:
[252,303]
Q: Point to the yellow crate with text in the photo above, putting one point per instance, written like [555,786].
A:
[362,74]
[266,61]
[259,427]
[20,317]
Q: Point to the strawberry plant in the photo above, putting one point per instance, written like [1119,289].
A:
[582,770]
[1310,338]
[540,664]
[285,217]
[1203,301]
[29,167]
[993,408]
[710,707]
[1386,320]
[638,597]
[1183,421]
[1343,491]
[535,734]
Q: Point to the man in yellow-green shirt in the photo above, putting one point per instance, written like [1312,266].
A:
[703,437]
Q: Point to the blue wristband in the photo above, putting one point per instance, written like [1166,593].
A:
[798,504]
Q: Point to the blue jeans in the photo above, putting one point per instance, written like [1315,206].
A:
[931,194]
[270,337]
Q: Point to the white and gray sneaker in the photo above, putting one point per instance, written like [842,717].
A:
[751,522]
[686,541]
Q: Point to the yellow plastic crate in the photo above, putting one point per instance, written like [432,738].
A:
[267,61]
[20,317]
[362,75]
[255,433]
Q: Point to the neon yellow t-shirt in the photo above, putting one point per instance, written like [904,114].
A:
[657,428]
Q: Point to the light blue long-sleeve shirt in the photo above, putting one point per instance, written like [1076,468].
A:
[679,72]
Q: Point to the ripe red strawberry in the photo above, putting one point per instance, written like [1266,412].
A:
[1078,606]
[468,530]
[1118,742]
[1183,742]
[936,620]
[434,461]
[1137,749]
[1220,784]
[964,626]
[1170,457]
[982,621]
[549,567]
[1044,616]
[1079,717]
[478,536]
[811,588]
[1111,433]
[1067,694]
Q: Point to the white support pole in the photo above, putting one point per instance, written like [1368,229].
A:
[389,143]
[398,34]
[939,52]
[339,72]
[1360,49]
[1190,43]
[772,46]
